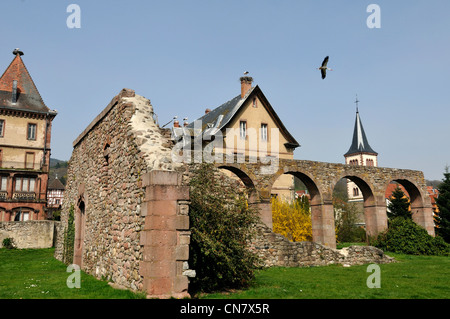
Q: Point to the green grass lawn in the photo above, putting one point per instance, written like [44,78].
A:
[35,274]
[412,277]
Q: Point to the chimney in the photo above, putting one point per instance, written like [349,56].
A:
[207,111]
[246,84]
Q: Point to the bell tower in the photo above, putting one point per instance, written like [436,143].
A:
[359,153]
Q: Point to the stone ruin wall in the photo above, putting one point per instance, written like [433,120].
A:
[108,164]
[276,250]
[106,167]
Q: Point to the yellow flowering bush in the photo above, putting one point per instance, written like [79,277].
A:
[292,220]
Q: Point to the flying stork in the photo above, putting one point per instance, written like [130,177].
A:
[323,69]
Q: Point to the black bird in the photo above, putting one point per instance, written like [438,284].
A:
[323,69]
[17,52]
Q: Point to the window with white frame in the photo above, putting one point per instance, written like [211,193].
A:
[243,129]
[25,184]
[264,132]
[3,183]
[2,128]
[31,132]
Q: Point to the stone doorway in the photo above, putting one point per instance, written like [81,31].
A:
[80,220]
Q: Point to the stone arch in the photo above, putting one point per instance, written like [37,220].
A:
[322,214]
[248,182]
[374,207]
[254,194]
[421,208]
[315,194]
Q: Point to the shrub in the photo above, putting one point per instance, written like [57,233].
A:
[292,220]
[221,225]
[405,236]
[8,243]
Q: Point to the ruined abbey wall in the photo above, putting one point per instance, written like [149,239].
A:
[131,204]
[107,185]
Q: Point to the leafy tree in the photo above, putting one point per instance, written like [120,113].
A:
[292,220]
[399,205]
[346,216]
[222,223]
[442,217]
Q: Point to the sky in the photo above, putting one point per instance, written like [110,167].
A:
[186,56]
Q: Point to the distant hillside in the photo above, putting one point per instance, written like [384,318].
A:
[434,183]
[58,168]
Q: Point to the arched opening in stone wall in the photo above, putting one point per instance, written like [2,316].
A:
[421,213]
[245,182]
[296,207]
[353,206]
[358,211]
[252,194]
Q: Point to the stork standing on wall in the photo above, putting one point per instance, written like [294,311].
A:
[323,69]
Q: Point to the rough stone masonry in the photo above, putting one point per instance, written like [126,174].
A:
[131,212]
[131,204]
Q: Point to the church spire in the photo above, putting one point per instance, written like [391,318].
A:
[360,143]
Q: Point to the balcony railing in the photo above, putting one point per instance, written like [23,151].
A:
[20,165]
[24,196]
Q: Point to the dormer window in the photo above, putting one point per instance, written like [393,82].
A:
[14,92]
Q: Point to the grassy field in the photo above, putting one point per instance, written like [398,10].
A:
[412,277]
[35,274]
[32,274]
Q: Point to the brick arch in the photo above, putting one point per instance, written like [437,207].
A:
[421,208]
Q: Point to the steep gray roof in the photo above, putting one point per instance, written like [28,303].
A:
[219,117]
[360,144]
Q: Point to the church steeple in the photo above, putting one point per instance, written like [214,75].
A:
[359,153]
[360,144]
